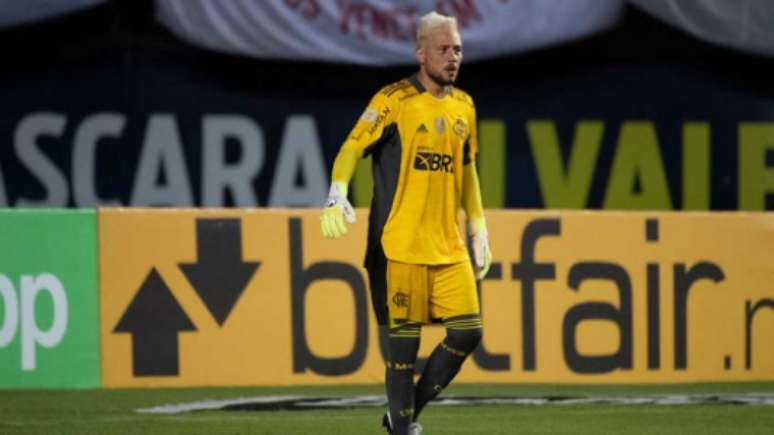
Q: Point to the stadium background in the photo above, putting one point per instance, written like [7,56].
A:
[109,104]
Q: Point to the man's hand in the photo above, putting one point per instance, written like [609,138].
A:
[337,210]
[481,253]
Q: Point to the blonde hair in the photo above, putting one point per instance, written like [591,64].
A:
[431,21]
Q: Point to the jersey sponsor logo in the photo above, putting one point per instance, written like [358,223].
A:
[379,119]
[434,162]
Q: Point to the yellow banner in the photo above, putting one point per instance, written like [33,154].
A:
[233,297]
[630,297]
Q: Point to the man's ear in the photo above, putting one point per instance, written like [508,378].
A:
[420,55]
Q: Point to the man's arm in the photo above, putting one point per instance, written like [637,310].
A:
[366,134]
[337,207]
[474,209]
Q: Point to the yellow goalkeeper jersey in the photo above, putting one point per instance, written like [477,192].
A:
[419,144]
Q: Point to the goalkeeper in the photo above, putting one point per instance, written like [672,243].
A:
[421,135]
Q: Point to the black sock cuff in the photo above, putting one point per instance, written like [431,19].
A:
[408,330]
[462,323]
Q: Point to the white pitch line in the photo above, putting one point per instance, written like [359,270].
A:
[205,405]
[310,402]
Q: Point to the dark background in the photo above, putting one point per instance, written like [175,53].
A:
[116,58]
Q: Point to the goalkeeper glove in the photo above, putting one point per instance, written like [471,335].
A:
[337,210]
[482,256]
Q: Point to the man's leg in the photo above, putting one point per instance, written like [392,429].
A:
[453,298]
[407,308]
[463,333]
[404,345]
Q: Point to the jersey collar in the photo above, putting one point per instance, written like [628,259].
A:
[420,89]
[414,80]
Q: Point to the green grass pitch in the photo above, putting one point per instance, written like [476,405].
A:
[109,412]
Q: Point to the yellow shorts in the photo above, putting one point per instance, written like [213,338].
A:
[418,293]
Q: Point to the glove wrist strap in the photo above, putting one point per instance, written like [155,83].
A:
[338,188]
[478,226]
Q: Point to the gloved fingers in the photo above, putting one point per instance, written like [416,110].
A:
[483,270]
[479,253]
[325,226]
[331,229]
[339,228]
[487,263]
[348,211]
[482,255]
[479,250]
[332,221]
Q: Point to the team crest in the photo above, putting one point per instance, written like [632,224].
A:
[461,128]
[400,299]
[440,125]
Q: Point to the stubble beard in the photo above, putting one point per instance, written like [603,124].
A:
[440,80]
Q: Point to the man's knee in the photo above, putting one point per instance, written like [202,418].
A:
[403,346]
[463,340]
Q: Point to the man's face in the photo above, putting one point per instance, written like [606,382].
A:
[441,55]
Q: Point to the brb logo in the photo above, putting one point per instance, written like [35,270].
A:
[425,161]
[15,317]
